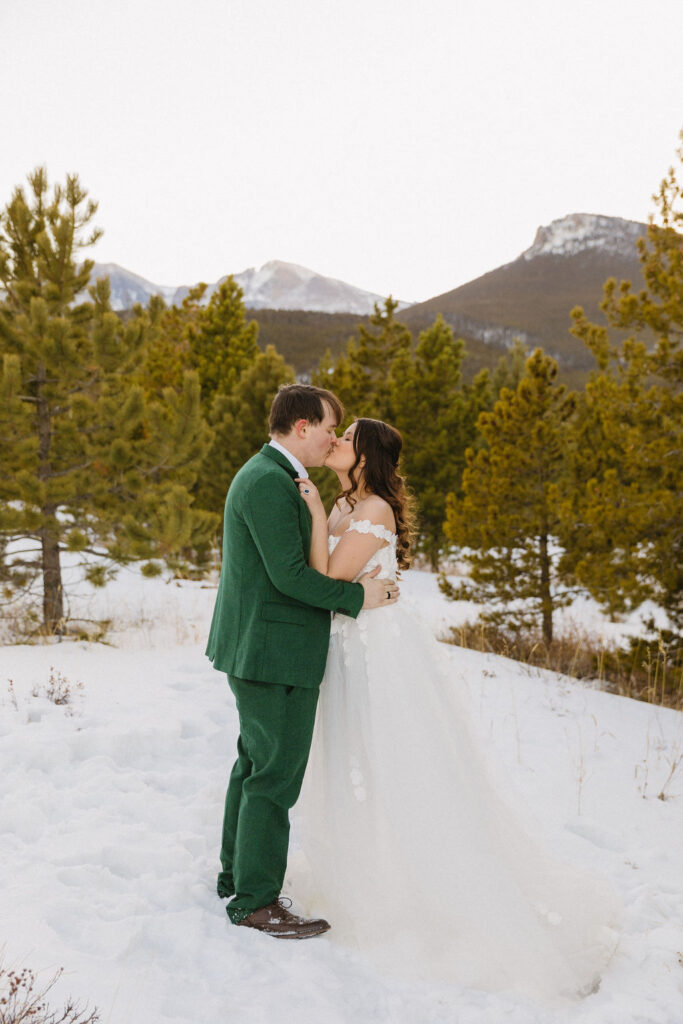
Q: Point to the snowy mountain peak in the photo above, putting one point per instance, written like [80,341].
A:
[580,232]
[128,288]
[275,285]
[279,285]
[274,277]
[279,266]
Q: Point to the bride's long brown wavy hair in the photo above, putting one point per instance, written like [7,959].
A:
[381,445]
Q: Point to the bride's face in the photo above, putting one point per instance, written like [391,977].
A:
[342,457]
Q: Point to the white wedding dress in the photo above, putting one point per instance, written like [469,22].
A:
[408,848]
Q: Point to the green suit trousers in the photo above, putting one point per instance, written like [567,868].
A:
[276,728]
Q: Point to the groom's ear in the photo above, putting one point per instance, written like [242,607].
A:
[300,428]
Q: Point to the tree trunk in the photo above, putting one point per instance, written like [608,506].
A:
[546,599]
[53,596]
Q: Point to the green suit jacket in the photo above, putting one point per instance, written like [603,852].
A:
[271,622]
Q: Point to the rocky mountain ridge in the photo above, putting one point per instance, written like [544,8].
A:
[586,232]
[288,286]
[531,297]
[275,285]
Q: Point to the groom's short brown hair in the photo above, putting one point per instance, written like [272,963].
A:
[295,402]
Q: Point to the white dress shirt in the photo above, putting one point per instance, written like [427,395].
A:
[300,469]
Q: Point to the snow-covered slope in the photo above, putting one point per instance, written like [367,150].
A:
[128,288]
[582,232]
[280,285]
[276,285]
[111,807]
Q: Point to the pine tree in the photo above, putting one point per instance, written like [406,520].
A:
[238,383]
[373,356]
[510,368]
[360,377]
[167,352]
[623,525]
[508,515]
[436,416]
[336,376]
[88,465]
[222,343]
[239,421]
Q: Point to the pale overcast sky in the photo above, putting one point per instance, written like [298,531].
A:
[405,147]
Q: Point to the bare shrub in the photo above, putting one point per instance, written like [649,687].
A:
[91,630]
[674,759]
[23,1001]
[19,624]
[57,689]
[12,694]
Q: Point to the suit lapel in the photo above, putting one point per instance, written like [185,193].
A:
[282,460]
[304,514]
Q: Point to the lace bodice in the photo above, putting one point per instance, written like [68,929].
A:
[385,557]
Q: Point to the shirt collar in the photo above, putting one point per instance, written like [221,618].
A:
[298,466]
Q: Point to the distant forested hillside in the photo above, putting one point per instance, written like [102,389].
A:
[302,338]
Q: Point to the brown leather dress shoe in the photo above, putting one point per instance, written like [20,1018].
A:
[276,920]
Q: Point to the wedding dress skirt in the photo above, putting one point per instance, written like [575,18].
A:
[408,848]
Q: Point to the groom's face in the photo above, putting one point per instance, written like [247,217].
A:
[320,438]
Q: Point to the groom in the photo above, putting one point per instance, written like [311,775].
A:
[270,633]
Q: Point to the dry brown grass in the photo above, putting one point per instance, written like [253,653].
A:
[649,670]
[22,624]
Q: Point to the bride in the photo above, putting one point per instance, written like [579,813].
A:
[415,856]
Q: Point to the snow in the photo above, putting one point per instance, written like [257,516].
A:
[111,812]
[580,232]
[127,288]
[279,285]
[270,269]
[276,285]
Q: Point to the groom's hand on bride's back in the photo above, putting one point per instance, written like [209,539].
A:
[378,593]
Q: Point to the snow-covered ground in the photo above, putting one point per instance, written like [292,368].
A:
[111,805]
